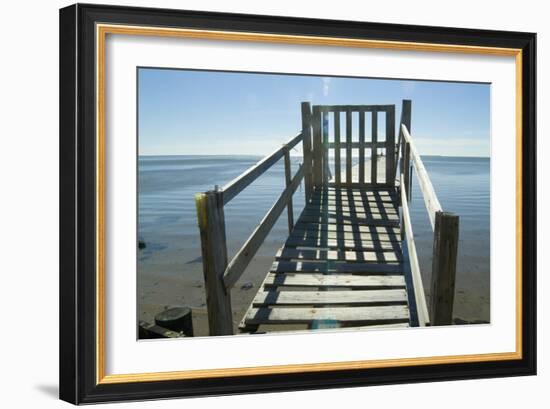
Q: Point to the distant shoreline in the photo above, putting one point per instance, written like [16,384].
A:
[246,155]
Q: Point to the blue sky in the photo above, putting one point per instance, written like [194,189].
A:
[183,112]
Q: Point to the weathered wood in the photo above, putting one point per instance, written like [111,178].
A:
[352,211]
[407,169]
[234,187]
[357,208]
[307,150]
[243,257]
[324,131]
[348,146]
[390,146]
[317,147]
[349,222]
[361,297]
[361,146]
[288,253]
[301,234]
[374,219]
[288,181]
[374,149]
[343,108]
[357,145]
[405,120]
[333,280]
[340,314]
[323,228]
[284,266]
[368,245]
[430,198]
[211,220]
[418,286]
[445,249]
[336,146]
[177,319]
[153,331]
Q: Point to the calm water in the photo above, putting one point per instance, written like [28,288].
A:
[167,217]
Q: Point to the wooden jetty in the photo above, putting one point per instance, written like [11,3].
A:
[350,258]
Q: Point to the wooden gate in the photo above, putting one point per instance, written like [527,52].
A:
[346,153]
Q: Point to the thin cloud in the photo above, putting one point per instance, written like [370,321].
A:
[326,86]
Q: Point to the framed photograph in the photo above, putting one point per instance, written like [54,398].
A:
[258,203]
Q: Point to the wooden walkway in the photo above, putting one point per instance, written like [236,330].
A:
[350,259]
[340,267]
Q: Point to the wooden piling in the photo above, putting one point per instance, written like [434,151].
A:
[214,260]
[444,268]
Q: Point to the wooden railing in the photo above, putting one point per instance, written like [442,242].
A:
[444,226]
[220,275]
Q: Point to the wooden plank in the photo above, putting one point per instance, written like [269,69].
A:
[361,297]
[307,148]
[288,253]
[337,160]
[286,266]
[323,228]
[234,187]
[444,268]
[374,149]
[300,234]
[288,315]
[354,194]
[317,148]
[288,182]
[430,198]
[357,145]
[243,257]
[355,108]
[390,145]
[359,211]
[211,220]
[374,219]
[333,280]
[418,286]
[370,222]
[348,147]
[361,147]
[369,245]
[358,208]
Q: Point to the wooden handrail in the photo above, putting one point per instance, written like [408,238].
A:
[419,295]
[219,274]
[244,256]
[430,198]
[234,187]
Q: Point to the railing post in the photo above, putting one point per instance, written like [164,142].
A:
[406,109]
[390,146]
[288,180]
[407,169]
[317,141]
[214,261]
[444,268]
[307,150]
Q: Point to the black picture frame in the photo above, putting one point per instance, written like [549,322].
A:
[78,360]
